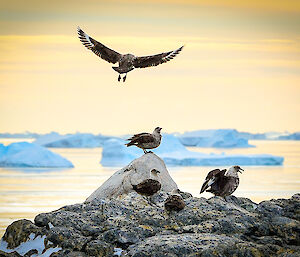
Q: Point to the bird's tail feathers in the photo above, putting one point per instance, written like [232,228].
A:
[122,70]
[129,144]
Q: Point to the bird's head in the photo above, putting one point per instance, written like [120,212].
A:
[157,129]
[155,171]
[233,171]
[238,169]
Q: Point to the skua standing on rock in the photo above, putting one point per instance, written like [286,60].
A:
[222,182]
[149,186]
[175,201]
[127,62]
[146,140]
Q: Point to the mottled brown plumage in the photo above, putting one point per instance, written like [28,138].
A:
[146,140]
[148,187]
[174,203]
[222,182]
[127,62]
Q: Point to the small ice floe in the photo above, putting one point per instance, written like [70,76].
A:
[50,225]
[33,243]
[118,251]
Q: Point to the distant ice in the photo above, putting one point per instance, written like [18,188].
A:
[271,135]
[216,138]
[293,136]
[115,153]
[26,154]
[19,135]
[78,140]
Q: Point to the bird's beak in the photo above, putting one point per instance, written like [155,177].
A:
[156,171]
[240,169]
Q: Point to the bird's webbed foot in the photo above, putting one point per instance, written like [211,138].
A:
[124,78]
[145,152]
[119,78]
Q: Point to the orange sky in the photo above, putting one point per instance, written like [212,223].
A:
[240,67]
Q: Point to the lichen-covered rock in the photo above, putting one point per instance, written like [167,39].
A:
[11,254]
[205,227]
[99,248]
[18,232]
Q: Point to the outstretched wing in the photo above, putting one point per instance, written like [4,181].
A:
[97,48]
[211,178]
[154,60]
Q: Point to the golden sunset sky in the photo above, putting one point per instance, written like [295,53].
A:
[240,67]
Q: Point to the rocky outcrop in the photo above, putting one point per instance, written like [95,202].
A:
[120,183]
[116,221]
[132,227]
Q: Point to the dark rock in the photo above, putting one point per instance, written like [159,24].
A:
[99,248]
[205,227]
[68,253]
[12,254]
[19,231]
[31,252]
[67,237]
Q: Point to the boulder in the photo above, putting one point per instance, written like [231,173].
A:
[120,183]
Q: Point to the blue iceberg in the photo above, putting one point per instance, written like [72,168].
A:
[78,140]
[26,154]
[293,136]
[115,153]
[216,138]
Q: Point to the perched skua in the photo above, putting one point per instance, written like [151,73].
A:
[146,140]
[222,182]
[175,201]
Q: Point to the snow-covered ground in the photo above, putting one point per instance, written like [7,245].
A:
[24,154]
[217,138]
[115,153]
[78,140]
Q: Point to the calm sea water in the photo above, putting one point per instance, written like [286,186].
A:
[25,193]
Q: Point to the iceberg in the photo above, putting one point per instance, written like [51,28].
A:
[293,136]
[115,153]
[253,136]
[78,140]
[216,138]
[19,135]
[24,154]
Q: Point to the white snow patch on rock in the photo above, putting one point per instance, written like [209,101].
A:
[33,242]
